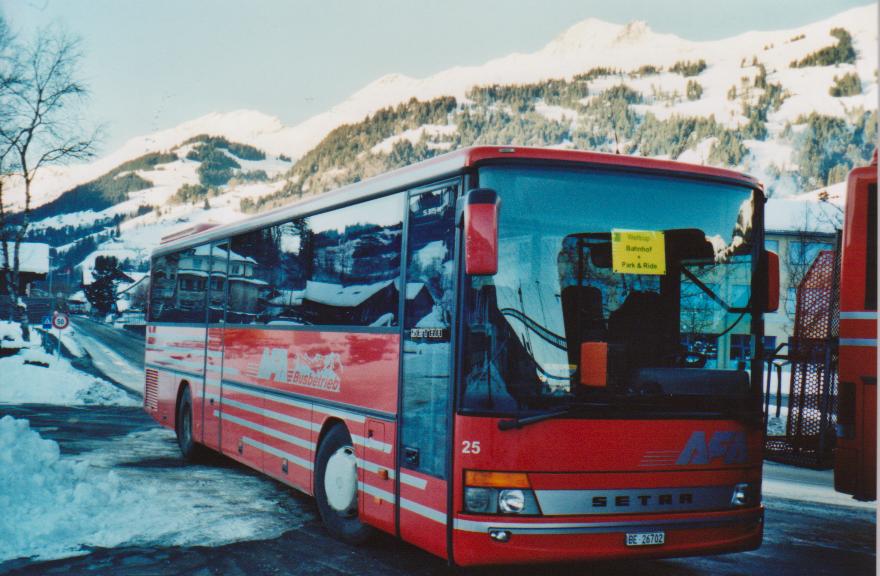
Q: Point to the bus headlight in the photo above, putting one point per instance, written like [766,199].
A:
[478,500]
[511,501]
[498,493]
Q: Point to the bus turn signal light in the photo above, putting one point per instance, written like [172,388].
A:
[496,479]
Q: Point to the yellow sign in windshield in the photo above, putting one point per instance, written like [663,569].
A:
[638,252]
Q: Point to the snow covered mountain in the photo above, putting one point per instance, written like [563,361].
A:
[759,102]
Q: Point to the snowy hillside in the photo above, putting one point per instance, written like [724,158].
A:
[797,108]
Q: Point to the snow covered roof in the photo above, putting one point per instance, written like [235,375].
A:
[246,280]
[32,257]
[78,296]
[413,289]
[342,296]
[205,250]
[137,279]
[807,212]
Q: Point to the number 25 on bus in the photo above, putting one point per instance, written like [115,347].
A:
[500,355]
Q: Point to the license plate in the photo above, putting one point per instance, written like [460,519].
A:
[646,539]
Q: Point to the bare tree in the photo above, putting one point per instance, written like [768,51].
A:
[39,127]
[803,247]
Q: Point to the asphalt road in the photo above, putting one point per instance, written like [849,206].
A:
[800,537]
[123,342]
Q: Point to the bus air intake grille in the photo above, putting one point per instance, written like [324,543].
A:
[151,390]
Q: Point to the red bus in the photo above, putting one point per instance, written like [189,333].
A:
[500,355]
[855,454]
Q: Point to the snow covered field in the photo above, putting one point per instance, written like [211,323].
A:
[59,383]
[56,506]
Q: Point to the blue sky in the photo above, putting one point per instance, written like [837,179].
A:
[153,64]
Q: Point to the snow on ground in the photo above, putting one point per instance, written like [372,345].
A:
[801,484]
[56,506]
[10,335]
[59,383]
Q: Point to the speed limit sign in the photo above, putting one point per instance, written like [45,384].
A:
[60,321]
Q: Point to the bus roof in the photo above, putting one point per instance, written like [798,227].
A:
[438,167]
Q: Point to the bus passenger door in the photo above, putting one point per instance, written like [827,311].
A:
[216,288]
[427,367]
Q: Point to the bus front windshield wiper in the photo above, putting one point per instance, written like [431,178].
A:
[520,421]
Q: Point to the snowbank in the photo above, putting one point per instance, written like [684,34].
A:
[10,335]
[60,383]
[54,506]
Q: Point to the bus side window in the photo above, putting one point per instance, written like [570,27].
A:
[353,261]
[164,288]
[427,322]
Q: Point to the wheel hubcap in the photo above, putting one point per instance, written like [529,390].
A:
[340,481]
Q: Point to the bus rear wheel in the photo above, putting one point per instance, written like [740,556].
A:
[190,449]
[336,487]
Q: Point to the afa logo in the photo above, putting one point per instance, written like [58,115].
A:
[729,445]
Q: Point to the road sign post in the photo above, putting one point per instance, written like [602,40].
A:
[60,322]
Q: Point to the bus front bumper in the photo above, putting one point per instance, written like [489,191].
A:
[482,540]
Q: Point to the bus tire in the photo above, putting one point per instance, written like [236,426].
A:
[336,487]
[189,448]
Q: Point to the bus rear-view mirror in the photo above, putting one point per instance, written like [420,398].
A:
[771,267]
[481,207]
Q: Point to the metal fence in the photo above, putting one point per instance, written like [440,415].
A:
[812,358]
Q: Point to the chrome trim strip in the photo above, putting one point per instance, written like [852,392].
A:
[634,500]
[546,528]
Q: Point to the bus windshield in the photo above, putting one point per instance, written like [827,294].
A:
[624,291]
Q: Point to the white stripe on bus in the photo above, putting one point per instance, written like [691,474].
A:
[373,467]
[302,424]
[263,412]
[276,452]
[415,507]
[413,481]
[295,440]
[371,443]
[344,414]
[871,342]
[199,349]
[859,315]
[422,510]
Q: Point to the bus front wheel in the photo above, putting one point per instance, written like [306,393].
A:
[336,487]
